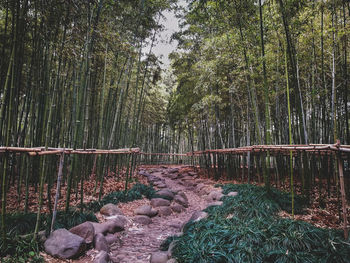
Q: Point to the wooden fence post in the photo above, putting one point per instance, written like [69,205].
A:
[342,192]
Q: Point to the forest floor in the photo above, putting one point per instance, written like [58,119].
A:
[138,242]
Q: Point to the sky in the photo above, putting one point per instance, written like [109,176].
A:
[163,47]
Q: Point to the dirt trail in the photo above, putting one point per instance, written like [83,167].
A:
[138,242]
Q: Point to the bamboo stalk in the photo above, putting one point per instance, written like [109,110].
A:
[58,187]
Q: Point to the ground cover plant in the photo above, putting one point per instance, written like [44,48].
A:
[246,229]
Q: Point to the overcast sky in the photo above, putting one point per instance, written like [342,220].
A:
[163,47]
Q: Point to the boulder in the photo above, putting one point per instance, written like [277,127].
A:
[165,211]
[145,210]
[232,194]
[157,202]
[159,257]
[110,210]
[85,230]
[102,257]
[180,200]
[177,208]
[165,193]
[198,215]
[172,260]
[142,220]
[100,243]
[64,244]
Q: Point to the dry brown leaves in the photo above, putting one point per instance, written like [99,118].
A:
[112,182]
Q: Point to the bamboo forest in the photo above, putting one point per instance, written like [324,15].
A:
[175,131]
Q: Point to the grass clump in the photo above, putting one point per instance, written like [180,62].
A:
[246,229]
[138,191]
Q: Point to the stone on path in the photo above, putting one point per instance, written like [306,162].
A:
[177,208]
[216,203]
[198,215]
[181,200]
[64,244]
[165,211]
[183,195]
[100,243]
[110,226]
[85,230]
[110,210]
[160,185]
[102,257]
[232,194]
[215,195]
[142,220]
[173,170]
[159,257]
[157,202]
[111,238]
[165,193]
[145,210]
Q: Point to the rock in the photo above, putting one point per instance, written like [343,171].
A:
[215,195]
[216,203]
[172,260]
[111,238]
[100,243]
[85,230]
[110,210]
[153,179]
[142,220]
[171,248]
[192,173]
[64,244]
[102,257]
[110,226]
[232,194]
[180,200]
[177,208]
[204,191]
[157,202]
[145,210]
[173,170]
[199,187]
[159,257]
[161,185]
[183,195]
[166,193]
[164,211]
[198,215]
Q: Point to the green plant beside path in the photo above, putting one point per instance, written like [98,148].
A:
[246,229]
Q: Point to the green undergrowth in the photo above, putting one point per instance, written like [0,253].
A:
[138,191]
[20,226]
[246,229]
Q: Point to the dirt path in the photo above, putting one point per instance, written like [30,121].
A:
[138,242]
